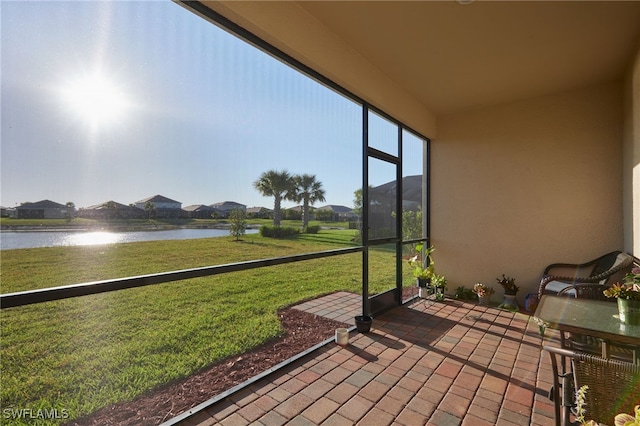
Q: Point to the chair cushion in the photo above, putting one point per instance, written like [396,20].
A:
[555,287]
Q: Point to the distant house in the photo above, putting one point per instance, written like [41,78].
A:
[44,209]
[339,213]
[294,213]
[411,193]
[227,206]
[112,210]
[200,211]
[163,207]
[259,212]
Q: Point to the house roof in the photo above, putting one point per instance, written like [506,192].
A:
[198,207]
[104,205]
[43,204]
[336,209]
[158,199]
[226,204]
[258,209]
[411,189]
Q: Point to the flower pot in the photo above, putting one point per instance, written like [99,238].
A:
[424,287]
[629,311]
[483,300]
[363,323]
[423,282]
[510,302]
[439,292]
[424,292]
[342,336]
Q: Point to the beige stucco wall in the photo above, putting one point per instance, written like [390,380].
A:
[516,187]
[631,158]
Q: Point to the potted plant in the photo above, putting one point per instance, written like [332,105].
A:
[484,293]
[423,270]
[510,292]
[628,295]
[439,284]
[622,419]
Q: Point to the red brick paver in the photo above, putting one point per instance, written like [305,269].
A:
[434,363]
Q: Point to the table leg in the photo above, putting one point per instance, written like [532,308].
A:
[606,352]
[567,397]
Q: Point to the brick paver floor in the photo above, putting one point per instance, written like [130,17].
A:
[434,363]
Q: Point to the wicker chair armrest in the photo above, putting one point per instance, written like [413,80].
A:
[575,266]
[570,280]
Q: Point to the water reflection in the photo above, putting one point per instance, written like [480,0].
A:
[93,238]
[17,240]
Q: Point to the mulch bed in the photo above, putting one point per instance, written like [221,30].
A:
[302,331]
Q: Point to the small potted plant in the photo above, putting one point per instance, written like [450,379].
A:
[423,270]
[439,284]
[628,295]
[484,293]
[510,292]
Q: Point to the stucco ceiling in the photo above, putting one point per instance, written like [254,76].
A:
[458,55]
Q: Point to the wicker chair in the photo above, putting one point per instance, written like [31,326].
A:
[586,280]
[593,346]
[614,386]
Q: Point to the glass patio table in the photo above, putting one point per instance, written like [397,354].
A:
[595,318]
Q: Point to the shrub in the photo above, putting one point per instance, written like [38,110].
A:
[238,223]
[277,231]
[463,293]
[312,229]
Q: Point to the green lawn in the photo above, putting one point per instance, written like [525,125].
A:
[85,353]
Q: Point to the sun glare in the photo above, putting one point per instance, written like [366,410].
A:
[95,99]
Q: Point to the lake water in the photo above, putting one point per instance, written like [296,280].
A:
[17,240]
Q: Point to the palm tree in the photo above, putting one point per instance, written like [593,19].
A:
[308,190]
[279,185]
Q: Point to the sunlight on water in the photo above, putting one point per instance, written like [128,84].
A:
[16,240]
[93,238]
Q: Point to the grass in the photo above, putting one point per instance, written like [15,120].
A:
[85,353]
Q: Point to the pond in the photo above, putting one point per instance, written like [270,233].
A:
[28,239]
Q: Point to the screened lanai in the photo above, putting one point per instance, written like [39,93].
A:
[489,123]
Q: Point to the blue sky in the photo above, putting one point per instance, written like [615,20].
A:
[196,114]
